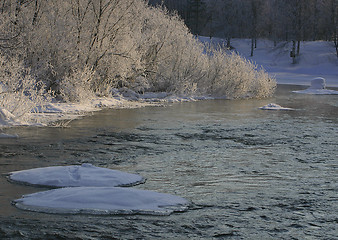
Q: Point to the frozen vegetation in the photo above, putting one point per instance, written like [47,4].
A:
[67,58]
[78,51]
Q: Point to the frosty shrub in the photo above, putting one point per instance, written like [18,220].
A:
[171,57]
[233,76]
[19,91]
[175,61]
[78,86]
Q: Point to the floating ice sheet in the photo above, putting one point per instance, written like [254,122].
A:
[274,106]
[101,201]
[85,175]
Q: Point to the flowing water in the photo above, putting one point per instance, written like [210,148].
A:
[248,173]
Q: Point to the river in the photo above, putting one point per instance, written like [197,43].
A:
[248,173]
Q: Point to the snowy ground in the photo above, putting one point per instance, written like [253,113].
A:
[317,59]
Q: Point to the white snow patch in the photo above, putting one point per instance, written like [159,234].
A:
[48,108]
[102,200]
[7,118]
[318,87]
[61,113]
[274,106]
[318,83]
[85,175]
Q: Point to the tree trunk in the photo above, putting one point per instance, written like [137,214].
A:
[336,44]
[314,22]
[333,23]
[252,46]
[298,47]
[293,52]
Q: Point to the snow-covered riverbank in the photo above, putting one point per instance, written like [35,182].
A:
[317,59]
[60,113]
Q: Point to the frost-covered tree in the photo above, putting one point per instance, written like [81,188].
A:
[20,93]
[82,48]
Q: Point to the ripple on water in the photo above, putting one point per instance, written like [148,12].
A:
[250,174]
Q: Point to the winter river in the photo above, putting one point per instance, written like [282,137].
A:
[248,173]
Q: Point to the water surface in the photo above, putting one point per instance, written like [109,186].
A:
[249,173]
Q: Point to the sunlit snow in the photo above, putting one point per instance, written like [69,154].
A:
[102,200]
[85,175]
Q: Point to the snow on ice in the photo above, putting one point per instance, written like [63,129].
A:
[85,175]
[102,200]
[92,190]
[274,106]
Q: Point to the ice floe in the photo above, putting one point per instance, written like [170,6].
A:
[85,175]
[102,201]
[5,135]
[88,189]
[274,106]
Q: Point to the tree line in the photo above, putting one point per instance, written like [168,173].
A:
[278,20]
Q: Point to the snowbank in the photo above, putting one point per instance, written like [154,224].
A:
[274,106]
[102,200]
[56,113]
[318,87]
[85,175]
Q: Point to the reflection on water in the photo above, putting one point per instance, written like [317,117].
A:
[250,174]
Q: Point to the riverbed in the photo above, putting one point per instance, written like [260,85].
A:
[248,173]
